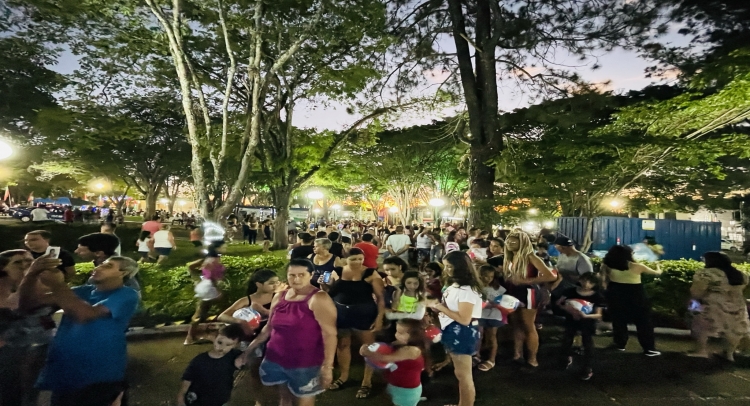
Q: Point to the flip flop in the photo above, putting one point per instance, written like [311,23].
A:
[364,392]
[339,384]
[486,366]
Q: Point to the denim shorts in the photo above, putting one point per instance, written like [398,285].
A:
[404,396]
[163,251]
[302,382]
[459,339]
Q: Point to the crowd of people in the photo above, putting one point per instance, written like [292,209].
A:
[409,287]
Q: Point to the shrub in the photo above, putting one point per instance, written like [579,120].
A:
[167,294]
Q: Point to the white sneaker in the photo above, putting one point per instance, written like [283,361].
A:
[652,353]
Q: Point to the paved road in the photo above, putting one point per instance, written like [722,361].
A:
[620,379]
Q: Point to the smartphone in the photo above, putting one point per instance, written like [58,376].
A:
[326,277]
[53,252]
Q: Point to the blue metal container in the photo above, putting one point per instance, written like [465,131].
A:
[680,238]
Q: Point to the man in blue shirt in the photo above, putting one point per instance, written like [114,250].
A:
[87,358]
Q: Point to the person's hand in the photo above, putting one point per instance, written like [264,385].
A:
[437,306]
[43,263]
[397,289]
[240,361]
[364,350]
[281,287]
[53,279]
[378,325]
[326,376]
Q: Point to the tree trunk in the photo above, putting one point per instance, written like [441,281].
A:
[151,196]
[281,197]
[587,239]
[481,190]
[480,92]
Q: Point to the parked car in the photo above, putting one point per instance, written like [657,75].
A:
[24,213]
[729,245]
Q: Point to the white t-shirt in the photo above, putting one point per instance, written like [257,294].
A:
[161,239]
[453,295]
[143,245]
[398,241]
[39,214]
[424,241]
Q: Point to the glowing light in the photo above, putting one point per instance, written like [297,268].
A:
[315,195]
[182,202]
[446,213]
[615,204]
[533,211]
[549,224]
[528,226]
[164,200]
[461,212]
[336,207]
[212,232]
[393,209]
[437,202]
[316,210]
[99,185]
[5,150]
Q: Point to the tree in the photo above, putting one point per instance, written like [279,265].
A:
[497,41]
[407,165]
[138,142]
[240,67]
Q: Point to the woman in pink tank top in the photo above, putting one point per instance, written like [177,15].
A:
[301,338]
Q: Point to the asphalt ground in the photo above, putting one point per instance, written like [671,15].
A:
[620,378]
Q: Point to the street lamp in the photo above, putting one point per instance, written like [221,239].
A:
[5,150]
[315,195]
[436,203]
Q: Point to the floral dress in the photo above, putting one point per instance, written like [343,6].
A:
[724,310]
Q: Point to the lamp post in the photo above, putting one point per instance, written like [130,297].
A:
[314,195]
[436,203]
[393,210]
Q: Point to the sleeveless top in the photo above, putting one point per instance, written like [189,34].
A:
[353,292]
[292,321]
[161,239]
[321,269]
[264,320]
[267,231]
[407,373]
[407,304]
[626,277]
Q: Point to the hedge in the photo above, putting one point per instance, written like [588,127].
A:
[167,294]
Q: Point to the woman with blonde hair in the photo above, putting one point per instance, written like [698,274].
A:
[523,271]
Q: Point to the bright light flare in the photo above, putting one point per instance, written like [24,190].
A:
[437,202]
[6,151]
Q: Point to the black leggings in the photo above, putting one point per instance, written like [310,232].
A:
[252,235]
[588,330]
[627,303]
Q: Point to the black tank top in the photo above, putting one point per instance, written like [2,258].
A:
[353,292]
[266,306]
[321,269]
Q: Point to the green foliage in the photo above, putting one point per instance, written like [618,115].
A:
[167,294]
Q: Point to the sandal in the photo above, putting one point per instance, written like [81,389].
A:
[486,366]
[364,392]
[338,384]
[439,366]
